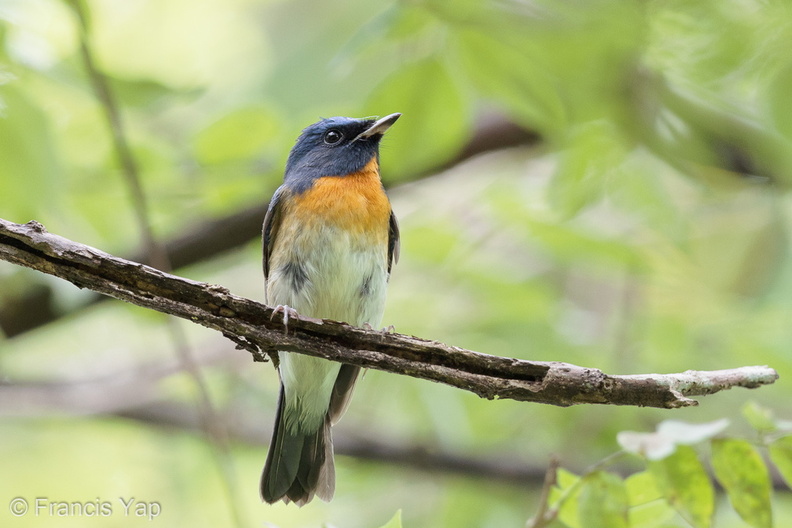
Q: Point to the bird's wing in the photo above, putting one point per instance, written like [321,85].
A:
[393,242]
[272,221]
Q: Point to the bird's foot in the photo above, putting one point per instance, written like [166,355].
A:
[287,312]
[390,329]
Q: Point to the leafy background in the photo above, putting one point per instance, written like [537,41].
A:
[641,225]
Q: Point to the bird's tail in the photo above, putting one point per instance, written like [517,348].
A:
[299,464]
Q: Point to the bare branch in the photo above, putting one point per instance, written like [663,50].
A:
[248,324]
[348,443]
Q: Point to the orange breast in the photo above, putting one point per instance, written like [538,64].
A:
[356,202]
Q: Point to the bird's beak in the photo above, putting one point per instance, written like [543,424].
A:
[380,126]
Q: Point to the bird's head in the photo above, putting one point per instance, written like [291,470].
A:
[336,146]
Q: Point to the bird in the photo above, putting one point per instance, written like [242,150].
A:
[330,239]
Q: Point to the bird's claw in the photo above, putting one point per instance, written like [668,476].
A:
[287,312]
[390,329]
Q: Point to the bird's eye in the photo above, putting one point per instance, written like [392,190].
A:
[333,136]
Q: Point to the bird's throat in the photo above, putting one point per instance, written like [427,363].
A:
[355,202]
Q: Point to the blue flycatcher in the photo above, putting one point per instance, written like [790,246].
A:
[330,238]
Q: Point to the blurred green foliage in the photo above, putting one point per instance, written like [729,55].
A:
[648,231]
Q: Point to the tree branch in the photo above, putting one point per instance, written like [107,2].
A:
[415,456]
[252,327]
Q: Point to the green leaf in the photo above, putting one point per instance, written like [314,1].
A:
[511,74]
[571,245]
[780,105]
[639,191]
[760,418]
[683,480]
[603,501]
[568,509]
[781,455]
[648,507]
[642,488]
[29,166]
[594,153]
[650,515]
[142,92]
[395,522]
[566,479]
[741,471]
[241,134]
[436,120]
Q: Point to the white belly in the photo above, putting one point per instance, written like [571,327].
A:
[327,274]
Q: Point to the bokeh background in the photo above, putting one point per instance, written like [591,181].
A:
[604,183]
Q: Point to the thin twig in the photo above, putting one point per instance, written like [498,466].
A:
[120,144]
[540,520]
[158,257]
